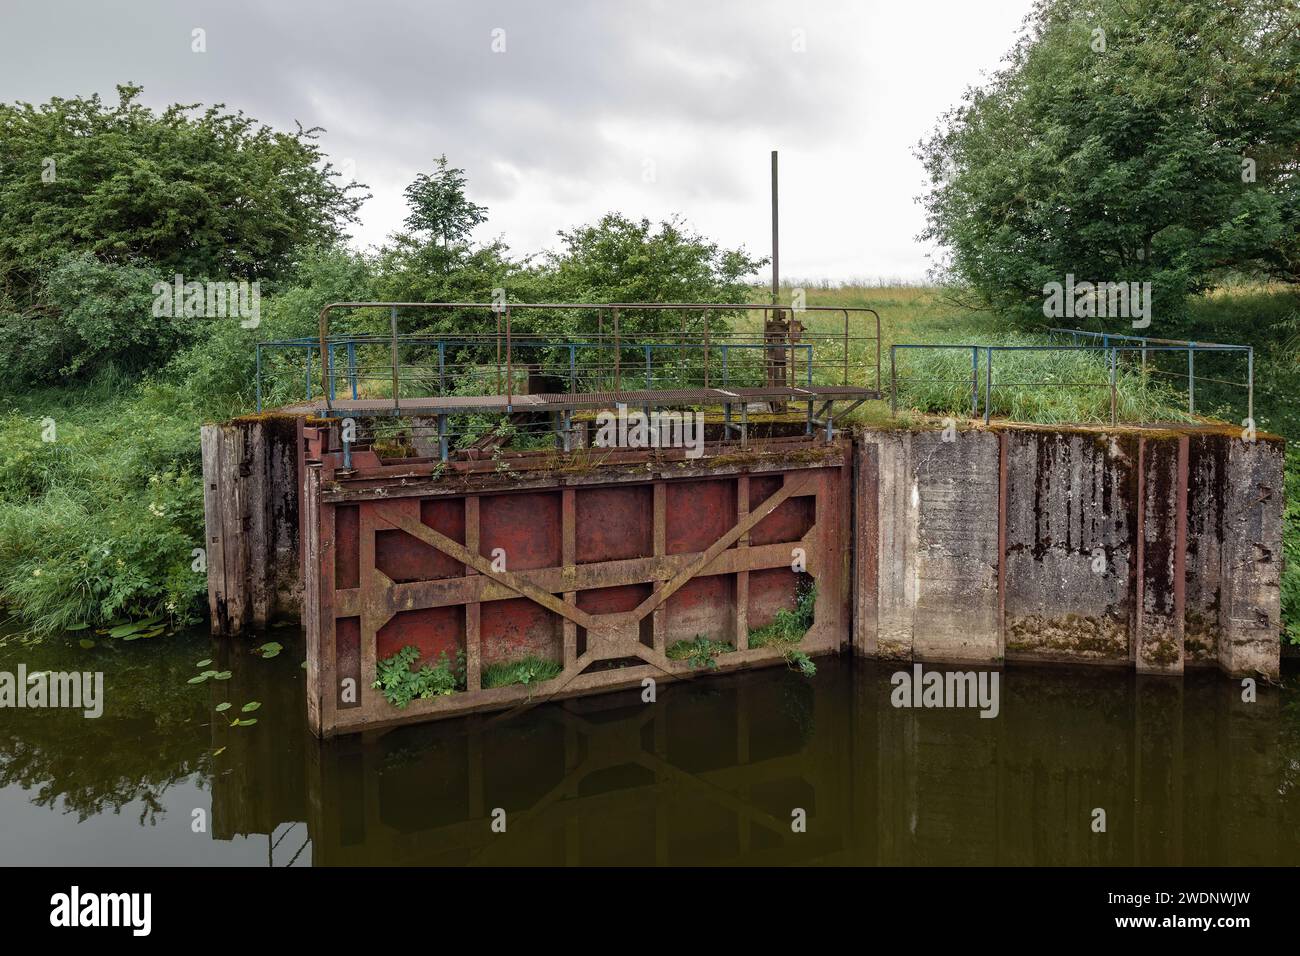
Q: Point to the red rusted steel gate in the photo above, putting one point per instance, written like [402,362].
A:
[599,570]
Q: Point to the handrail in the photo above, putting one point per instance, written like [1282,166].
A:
[1108,348]
[327,371]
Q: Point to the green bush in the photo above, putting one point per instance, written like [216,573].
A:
[701,652]
[401,685]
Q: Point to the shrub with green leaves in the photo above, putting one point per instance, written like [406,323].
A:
[401,685]
[701,652]
[788,627]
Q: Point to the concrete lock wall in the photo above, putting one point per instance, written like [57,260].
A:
[1149,548]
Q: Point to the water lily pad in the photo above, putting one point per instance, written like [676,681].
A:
[204,663]
[271,649]
[224,675]
[251,706]
[246,722]
[219,751]
[86,643]
[122,630]
[197,679]
[223,706]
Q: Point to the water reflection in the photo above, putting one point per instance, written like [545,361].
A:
[1185,771]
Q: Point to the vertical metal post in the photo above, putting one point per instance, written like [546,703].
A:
[258,350]
[392,322]
[846,349]
[510,377]
[442,437]
[706,348]
[809,429]
[1191,378]
[877,315]
[776,246]
[893,380]
[988,384]
[1114,391]
[1250,384]
[330,370]
[618,375]
[352,368]
[974,382]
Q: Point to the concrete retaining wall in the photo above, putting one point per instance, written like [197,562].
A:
[1149,548]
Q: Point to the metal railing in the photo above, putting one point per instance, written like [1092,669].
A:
[1114,347]
[608,347]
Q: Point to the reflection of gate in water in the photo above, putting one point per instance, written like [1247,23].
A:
[604,780]
[604,572]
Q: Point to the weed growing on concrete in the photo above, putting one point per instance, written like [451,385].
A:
[526,671]
[401,685]
[788,628]
[700,652]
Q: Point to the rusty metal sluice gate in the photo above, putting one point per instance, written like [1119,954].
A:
[599,572]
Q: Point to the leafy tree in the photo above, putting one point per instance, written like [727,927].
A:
[618,259]
[98,202]
[206,193]
[439,206]
[89,314]
[1114,145]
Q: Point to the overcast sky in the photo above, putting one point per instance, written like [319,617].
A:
[649,108]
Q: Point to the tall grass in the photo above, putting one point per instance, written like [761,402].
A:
[101,507]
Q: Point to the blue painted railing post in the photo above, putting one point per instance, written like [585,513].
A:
[352,368]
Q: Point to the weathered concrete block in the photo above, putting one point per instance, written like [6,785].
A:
[1206,477]
[932,580]
[1071,500]
[896,594]
[955,497]
[1251,569]
[1162,534]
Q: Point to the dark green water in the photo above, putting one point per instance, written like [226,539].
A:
[1186,772]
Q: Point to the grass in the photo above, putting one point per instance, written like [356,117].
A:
[788,628]
[101,508]
[525,670]
[701,652]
